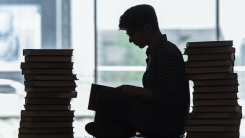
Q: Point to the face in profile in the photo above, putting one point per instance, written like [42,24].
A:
[138,37]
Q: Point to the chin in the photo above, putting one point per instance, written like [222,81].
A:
[140,46]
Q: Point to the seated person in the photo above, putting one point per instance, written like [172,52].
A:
[160,108]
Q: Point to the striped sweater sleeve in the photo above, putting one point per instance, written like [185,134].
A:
[169,78]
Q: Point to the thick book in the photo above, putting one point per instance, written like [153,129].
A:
[46,113]
[215,115]
[209,44]
[48,59]
[217,109]
[51,65]
[51,95]
[64,135]
[206,57]
[49,101]
[233,134]
[216,89]
[46,71]
[220,95]
[24,124]
[49,83]
[44,52]
[212,128]
[47,107]
[56,130]
[51,77]
[215,82]
[209,70]
[211,76]
[203,122]
[194,51]
[95,88]
[47,119]
[50,89]
[211,63]
[215,102]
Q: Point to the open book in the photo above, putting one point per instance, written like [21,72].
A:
[95,88]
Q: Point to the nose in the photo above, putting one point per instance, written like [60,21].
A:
[130,40]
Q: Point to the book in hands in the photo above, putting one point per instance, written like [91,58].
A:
[95,89]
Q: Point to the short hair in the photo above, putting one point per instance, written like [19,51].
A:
[137,16]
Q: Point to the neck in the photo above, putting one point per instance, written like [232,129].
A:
[156,35]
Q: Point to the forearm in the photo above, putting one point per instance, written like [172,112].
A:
[147,93]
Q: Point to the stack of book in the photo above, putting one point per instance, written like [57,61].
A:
[216,112]
[49,85]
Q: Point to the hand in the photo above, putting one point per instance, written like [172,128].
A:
[129,90]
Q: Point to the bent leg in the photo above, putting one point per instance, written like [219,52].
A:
[113,108]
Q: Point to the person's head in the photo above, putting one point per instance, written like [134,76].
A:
[140,22]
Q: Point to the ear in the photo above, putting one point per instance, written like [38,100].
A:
[147,28]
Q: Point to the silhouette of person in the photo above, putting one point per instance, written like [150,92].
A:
[160,108]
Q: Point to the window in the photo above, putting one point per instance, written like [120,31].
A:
[232,28]
[65,24]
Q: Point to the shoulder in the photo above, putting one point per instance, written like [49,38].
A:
[169,49]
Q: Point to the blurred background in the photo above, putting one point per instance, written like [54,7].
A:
[102,53]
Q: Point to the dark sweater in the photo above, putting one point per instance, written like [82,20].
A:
[166,115]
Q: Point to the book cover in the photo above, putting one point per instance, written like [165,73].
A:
[221,95]
[50,89]
[57,130]
[51,95]
[217,109]
[44,52]
[48,101]
[217,122]
[46,71]
[51,77]
[211,76]
[212,128]
[215,102]
[210,43]
[215,115]
[50,83]
[215,83]
[216,89]
[46,65]
[233,134]
[47,107]
[206,57]
[24,124]
[212,50]
[64,135]
[210,63]
[95,88]
[47,113]
[209,70]
[47,119]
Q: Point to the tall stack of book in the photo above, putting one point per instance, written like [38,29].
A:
[49,85]
[216,112]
